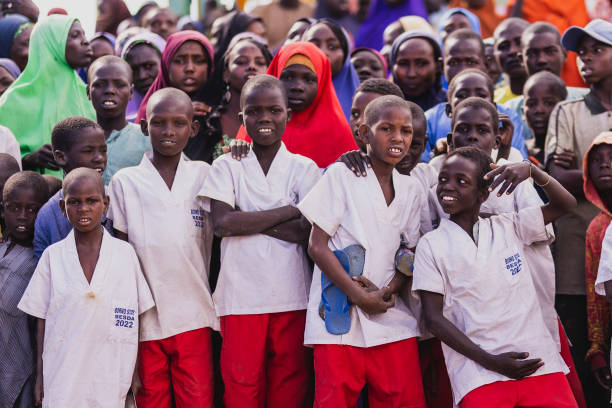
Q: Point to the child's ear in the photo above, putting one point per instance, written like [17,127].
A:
[106,201]
[288,114]
[60,157]
[62,205]
[448,109]
[89,92]
[440,65]
[483,194]
[498,140]
[241,118]
[195,128]
[131,91]
[225,75]
[564,51]
[363,134]
[449,142]
[144,126]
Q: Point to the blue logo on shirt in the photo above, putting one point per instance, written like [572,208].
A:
[124,317]
[514,263]
[198,217]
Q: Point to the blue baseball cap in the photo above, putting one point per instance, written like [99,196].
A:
[598,29]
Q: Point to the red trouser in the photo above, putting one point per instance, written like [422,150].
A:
[391,372]
[436,384]
[543,391]
[263,360]
[182,363]
[572,376]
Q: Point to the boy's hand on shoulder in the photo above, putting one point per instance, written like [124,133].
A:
[200,108]
[511,175]
[376,301]
[356,161]
[40,159]
[514,365]
[239,149]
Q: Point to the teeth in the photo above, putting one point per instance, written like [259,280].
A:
[108,103]
[265,130]
[447,198]
[167,142]
[395,150]
[20,228]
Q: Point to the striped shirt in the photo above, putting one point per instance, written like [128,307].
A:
[17,357]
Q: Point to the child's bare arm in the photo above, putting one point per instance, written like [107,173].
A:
[121,235]
[511,175]
[230,222]
[40,337]
[608,289]
[295,231]
[376,301]
[512,364]
[564,167]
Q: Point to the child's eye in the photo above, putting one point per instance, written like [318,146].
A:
[462,181]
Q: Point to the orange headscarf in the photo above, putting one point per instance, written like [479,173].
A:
[319,132]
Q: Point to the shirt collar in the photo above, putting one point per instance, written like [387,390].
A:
[593,104]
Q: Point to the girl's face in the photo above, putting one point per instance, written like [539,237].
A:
[415,67]
[188,69]
[257,27]
[78,50]
[145,63]
[6,79]
[244,61]
[19,49]
[301,86]
[296,31]
[600,167]
[323,37]
[101,47]
[367,65]
[454,23]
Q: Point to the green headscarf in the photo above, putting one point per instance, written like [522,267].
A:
[47,91]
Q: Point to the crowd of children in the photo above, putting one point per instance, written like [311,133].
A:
[367,208]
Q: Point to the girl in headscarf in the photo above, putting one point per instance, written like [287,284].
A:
[187,64]
[334,43]
[318,128]
[49,88]
[224,29]
[9,71]
[15,31]
[368,63]
[416,65]
[382,13]
[246,56]
[143,53]
[455,18]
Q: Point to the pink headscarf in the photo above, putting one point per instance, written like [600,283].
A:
[175,41]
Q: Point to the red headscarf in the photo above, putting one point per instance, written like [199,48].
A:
[175,41]
[319,132]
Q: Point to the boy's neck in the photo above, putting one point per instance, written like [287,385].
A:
[606,197]
[517,83]
[603,92]
[110,124]
[466,220]
[89,239]
[166,166]
[266,154]
[234,102]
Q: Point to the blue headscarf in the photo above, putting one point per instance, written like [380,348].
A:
[10,66]
[370,33]
[8,28]
[472,18]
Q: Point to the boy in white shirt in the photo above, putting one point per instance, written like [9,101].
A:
[87,293]
[155,207]
[380,348]
[262,291]
[478,293]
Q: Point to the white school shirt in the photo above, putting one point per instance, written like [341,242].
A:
[538,255]
[427,176]
[604,272]
[353,210]
[261,274]
[172,236]
[488,292]
[91,329]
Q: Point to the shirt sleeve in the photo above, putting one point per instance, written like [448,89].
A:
[426,275]
[604,272]
[311,173]
[529,225]
[412,230]
[116,209]
[145,298]
[559,135]
[219,184]
[325,204]
[36,298]
[41,233]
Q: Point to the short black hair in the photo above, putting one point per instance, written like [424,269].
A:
[338,33]
[83,173]
[109,60]
[8,166]
[481,159]
[508,22]
[265,51]
[453,83]
[462,35]
[262,81]
[374,108]
[66,130]
[475,102]
[554,82]
[379,86]
[418,116]
[27,179]
[540,27]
